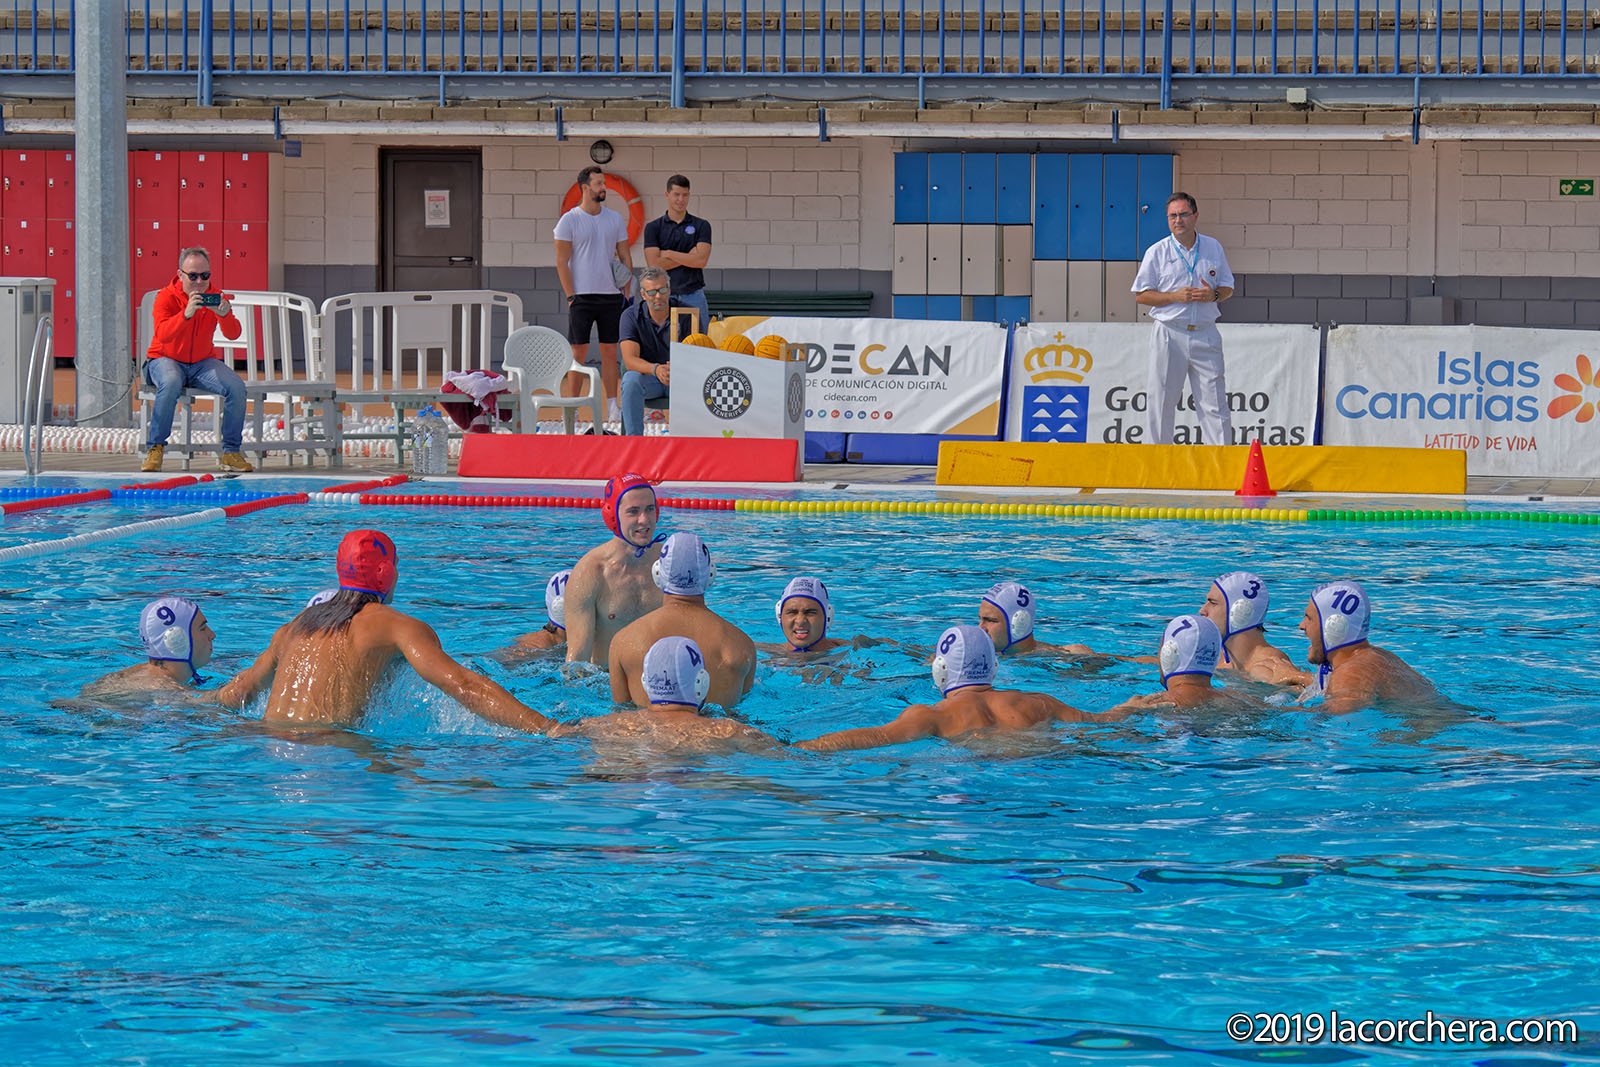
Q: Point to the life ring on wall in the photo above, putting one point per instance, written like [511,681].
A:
[620,187]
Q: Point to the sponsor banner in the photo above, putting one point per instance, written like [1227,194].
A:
[1086,381]
[1519,402]
[893,375]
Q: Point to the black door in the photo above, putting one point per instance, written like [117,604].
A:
[432,219]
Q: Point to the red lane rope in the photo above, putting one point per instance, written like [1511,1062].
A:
[170,483]
[233,511]
[17,507]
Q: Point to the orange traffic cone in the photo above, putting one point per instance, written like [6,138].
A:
[1255,475]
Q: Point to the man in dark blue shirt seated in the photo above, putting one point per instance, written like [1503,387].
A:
[680,243]
[646,349]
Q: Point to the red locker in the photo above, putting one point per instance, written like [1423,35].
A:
[59,186]
[244,263]
[153,189]
[59,244]
[23,251]
[155,255]
[205,233]
[22,187]
[200,185]
[246,181]
[66,320]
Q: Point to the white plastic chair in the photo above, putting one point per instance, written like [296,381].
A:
[536,360]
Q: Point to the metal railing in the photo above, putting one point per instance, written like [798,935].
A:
[41,361]
[652,47]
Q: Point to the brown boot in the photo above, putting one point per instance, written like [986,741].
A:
[233,461]
[152,458]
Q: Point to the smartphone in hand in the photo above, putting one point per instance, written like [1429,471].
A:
[210,300]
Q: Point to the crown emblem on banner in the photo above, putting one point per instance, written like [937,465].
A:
[1057,361]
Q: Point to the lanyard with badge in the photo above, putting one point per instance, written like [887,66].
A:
[1191,263]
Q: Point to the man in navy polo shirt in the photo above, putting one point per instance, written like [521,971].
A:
[680,244]
[646,348]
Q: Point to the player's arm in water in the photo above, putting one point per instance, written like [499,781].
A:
[620,693]
[253,679]
[913,724]
[416,641]
[583,591]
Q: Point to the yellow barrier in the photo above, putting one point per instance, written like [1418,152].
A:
[1205,468]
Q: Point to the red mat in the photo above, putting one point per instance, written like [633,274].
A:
[660,459]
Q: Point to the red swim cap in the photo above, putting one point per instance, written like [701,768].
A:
[615,488]
[367,563]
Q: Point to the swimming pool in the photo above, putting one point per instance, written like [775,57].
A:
[190,888]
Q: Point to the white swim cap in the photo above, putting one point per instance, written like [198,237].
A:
[1190,645]
[167,628]
[1244,596]
[321,598]
[1343,612]
[555,598]
[685,567]
[964,656]
[812,589]
[1016,604]
[675,673]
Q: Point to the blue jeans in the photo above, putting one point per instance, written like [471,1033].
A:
[170,378]
[696,299]
[636,389]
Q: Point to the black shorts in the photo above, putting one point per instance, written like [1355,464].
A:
[592,309]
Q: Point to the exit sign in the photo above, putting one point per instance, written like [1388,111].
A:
[1577,186]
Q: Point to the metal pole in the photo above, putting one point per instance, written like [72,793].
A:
[679,41]
[100,170]
[1166,54]
[207,53]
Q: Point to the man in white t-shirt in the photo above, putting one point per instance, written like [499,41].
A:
[1182,280]
[587,239]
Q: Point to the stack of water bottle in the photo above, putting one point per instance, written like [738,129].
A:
[430,443]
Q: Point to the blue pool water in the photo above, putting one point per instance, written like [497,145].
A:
[186,888]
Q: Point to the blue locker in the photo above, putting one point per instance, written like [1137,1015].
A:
[1013,188]
[1050,206]
[982,309]
[824,447]
[944,308]
[1155,185]
[1085,206]
[1011,308]
[911,187]
[1122,207]
[944,187]
[977,179]
[910,307]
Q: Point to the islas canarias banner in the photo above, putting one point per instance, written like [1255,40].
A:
[1520,402]
[1087,382]
[892,375]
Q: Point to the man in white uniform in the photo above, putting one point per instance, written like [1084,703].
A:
[1182,280]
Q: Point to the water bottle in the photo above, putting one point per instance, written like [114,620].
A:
[430,443]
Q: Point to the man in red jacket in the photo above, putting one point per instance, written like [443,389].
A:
[182,355]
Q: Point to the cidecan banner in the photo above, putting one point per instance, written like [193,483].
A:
[1087,382]
[1519,402]
[893,375]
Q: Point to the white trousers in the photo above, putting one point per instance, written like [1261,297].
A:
[1176,351]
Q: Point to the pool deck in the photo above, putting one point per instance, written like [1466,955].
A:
[829,477]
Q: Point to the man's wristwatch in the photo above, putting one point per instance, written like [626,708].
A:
[571,298]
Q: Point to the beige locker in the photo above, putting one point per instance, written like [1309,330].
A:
[944,260]
[1016,260]
[1049,290]
[911,259]
[1120,304]
[980,260]
[1086,290]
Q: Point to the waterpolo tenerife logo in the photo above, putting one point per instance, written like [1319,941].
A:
[1580,394]
[1056,406]
[727,392]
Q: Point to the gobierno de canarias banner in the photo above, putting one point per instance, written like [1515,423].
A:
[892,375]
[1520,402]
[1086,382]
